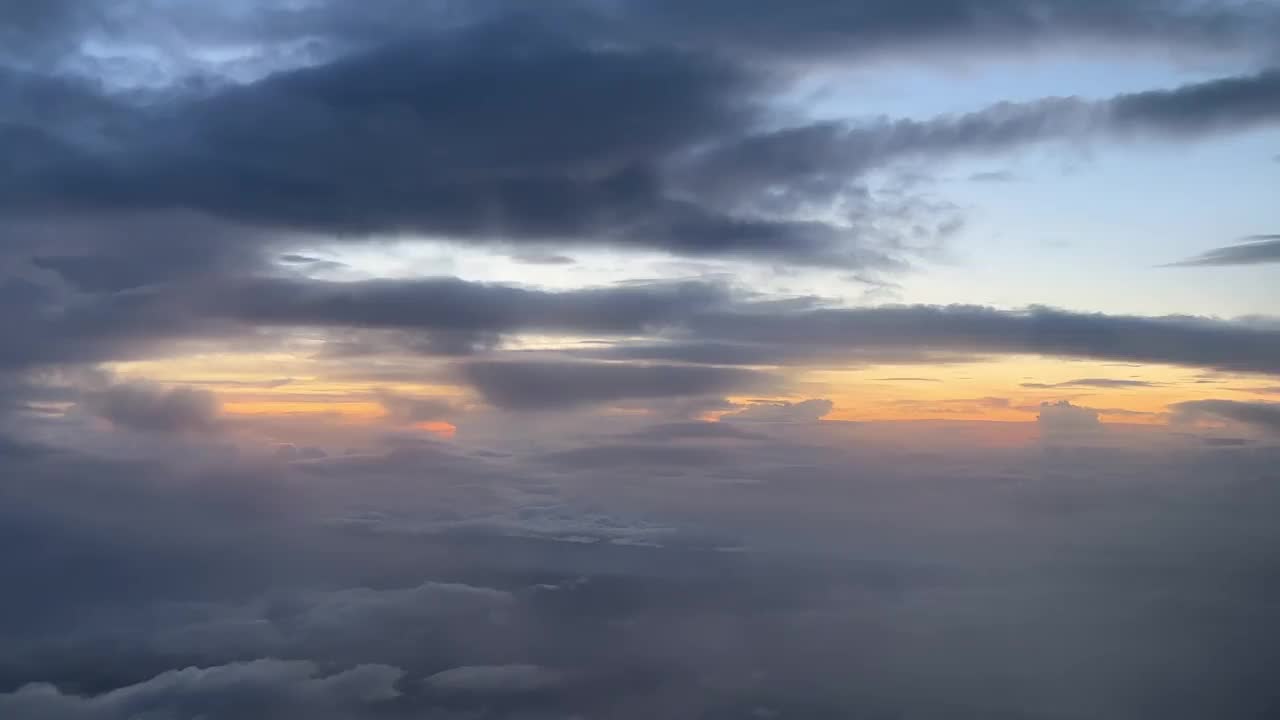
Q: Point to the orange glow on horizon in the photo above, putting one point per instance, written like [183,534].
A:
[1003,389]
[436,427]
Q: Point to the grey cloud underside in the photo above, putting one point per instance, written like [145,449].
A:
[222,589]
[141,406]
[684,322]
[1173,340]
[1257,250]
[733,330]
[1093,383]
[1265,416]
[771,29]
[502,137]
[515,385]
[450,304]
[835,28]
[298,688]
[819,158]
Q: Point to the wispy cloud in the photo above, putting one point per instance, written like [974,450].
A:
[1254,250]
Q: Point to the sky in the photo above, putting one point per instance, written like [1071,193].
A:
[596,359]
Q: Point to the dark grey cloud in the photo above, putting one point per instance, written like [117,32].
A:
[1063,418]
[277,687]
[675,432]
[1265,416]
[453,305]
[273,33]
[447,316]
[820,158]
[680,322]
[534,258]
[834,29]
[495,679]
[763,352]
[497,135]
[1199,108]
[1255,250]
[511,131]
[58,328]
[1175,340]
[149,407]
[542,385]
[1093,383]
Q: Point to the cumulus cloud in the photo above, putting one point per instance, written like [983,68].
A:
[1063,418]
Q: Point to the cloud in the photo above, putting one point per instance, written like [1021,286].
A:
[1255,250]
[961,329]
[219,693]
[154,408]
[576,168]
[272,33]
[536,258]
[454,305]
[1063,418]
[637,455]
[434,148]
[783,412]
[1000,176]
[704,323]
[675,432]
[833,29]
[1264,416]
[844,543]
[406,409]
[535,385]
[495,679]
[1109,383]
[820,156]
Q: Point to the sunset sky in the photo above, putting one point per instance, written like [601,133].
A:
[639,358]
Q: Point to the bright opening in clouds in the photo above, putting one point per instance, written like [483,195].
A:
[624,359]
